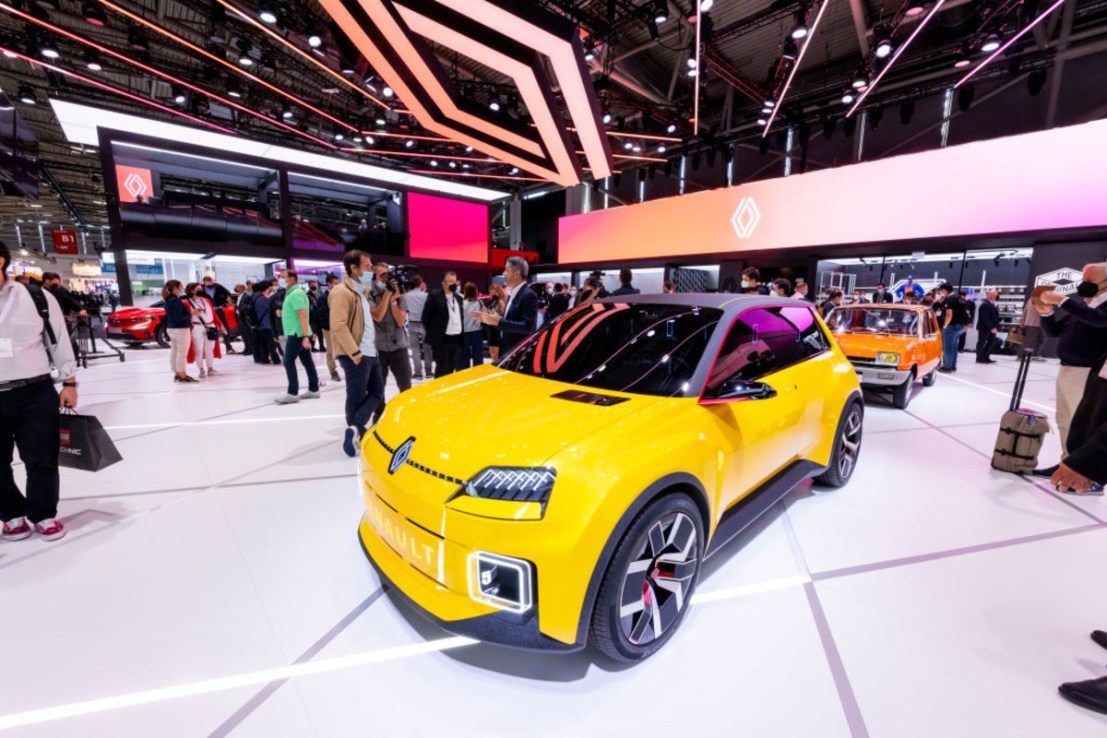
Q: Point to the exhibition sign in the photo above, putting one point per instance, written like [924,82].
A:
[1044,181]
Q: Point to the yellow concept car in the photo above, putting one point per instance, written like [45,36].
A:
[570,494]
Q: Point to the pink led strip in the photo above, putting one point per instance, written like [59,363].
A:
[1014,38]
[116,90]
[795,68]
[899,52]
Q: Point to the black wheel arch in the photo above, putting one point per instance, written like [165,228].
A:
[677,482]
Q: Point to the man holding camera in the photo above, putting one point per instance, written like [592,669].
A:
[389,310]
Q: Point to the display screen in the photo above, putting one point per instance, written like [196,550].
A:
[447,230]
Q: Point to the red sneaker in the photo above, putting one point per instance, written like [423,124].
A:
[50,529]
[15,529]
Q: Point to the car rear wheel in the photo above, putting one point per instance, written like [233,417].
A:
[901,395]
[650,580]
[161,335]
[847,448]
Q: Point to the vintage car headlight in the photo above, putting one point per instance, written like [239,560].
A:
[887,357]
[515,484]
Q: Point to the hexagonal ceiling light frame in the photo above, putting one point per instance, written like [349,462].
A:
[509,36]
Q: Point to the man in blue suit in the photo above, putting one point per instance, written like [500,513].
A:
[520,316]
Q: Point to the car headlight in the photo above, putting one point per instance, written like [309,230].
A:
[515,484]
[887,357]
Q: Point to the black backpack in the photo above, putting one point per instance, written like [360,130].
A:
[43,307]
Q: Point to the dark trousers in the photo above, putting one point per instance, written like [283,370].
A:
[445,355]
[985,343]
[29,422]
[962,339]
[265,347]
[472,350]
[294,349]
[226,327]
[950,335]
[399,363]
[247,334]
[364,389]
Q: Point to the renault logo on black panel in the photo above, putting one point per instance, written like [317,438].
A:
[400,456]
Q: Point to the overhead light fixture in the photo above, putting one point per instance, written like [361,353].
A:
[884,48]
[381,122]
[514,170]
[494,104]
[914,8]
[27,95]
[92,62]
[627,145]
[706,5]
[370,140]
[94,14]
[999,50]
[991,42]
[963,58]
[848,97]
[799,30]
[179,95]
[349,68]
[409,143]
[791,49]
[339,136]
[244,48]
[766,111]
[770,102]
[388,91]
[692,63]
[795,67]
[315,40]
[453,165]
[606,117]
[468,149]
[286,111]
[434,162]
[671,128]
[763,121]
[660,11]
[267,12]
[860,80]
[48,49]
[245,61]
[661,148]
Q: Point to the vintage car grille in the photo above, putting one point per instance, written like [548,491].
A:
[418,466]
[868,363]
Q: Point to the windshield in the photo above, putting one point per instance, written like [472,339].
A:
[874,319]
[645,349]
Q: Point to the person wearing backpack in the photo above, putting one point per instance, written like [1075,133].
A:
[31,323]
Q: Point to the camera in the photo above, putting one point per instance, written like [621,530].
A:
[594,283]
[403,276]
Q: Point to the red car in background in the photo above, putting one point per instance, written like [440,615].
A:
[136,326]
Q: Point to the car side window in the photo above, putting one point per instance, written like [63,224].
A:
[765,340]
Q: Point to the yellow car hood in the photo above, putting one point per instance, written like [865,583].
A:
[487,416]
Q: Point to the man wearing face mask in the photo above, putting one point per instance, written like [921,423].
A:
[354,342]
[987,326]
[390,316]
[751,282]
[1078,322]
[443,323]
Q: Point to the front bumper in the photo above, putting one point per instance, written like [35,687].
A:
[871,375]
[428,562]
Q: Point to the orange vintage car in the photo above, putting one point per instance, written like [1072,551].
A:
[890,346]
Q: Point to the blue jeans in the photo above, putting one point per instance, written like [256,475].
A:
[293,348]
[950,335]
[472,350]
[364,389]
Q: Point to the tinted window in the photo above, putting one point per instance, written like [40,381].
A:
[765,340]
[646,349]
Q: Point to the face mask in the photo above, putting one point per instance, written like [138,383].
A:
[745,284]
[1087,289]
[453,288]
[366,279]
[379,285]
[283,283]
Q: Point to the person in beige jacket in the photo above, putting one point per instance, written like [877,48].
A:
[355,348]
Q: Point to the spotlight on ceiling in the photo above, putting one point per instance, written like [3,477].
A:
[179,95]
[628,145]
[468,149]
[388,91]
[286,111]
[848,97]
[234,89]
[660,11]
[409,143]
[348,67]
[94,14]
[770,102]
[27,95]
[763,121]
[244,47]
[606,117]
[370,140]
[494,104]
[799,30]
[381,122]
[706,5]
[267,11]
[453,165]
[434,162]
[884,48]
[48,49]
[92,62]
[137,40]
[515,170]
[914,8]
[963,58]
[661,148]
[692,62]
[339,136]
[991,42]
[671,128]
[315,40]
[791,49]
[860,80]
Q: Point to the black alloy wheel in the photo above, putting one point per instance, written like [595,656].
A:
[847,448]
[161,335]
[650,580]
[901,395]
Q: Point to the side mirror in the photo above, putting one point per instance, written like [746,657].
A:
[733,391]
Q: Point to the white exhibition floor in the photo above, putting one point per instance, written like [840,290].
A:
[212,584]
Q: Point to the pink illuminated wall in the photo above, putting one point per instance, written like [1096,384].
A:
[447,230]
[1050,180]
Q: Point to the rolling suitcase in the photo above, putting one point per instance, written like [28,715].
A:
[1021,431]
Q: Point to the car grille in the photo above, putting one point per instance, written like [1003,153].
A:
[418,466]
[867,363]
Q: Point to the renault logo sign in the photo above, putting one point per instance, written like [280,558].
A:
[746,218]
[400,455]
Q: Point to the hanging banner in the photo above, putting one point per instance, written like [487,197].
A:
[65,242]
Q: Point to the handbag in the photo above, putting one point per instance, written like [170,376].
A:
[85,445]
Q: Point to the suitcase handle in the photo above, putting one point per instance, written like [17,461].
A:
[1020,378]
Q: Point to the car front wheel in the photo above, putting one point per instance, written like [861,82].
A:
[161,335]
[847,448]
[901,395]
[650,580]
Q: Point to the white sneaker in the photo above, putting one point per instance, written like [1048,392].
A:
[309,395]
[203,374]
[286,399]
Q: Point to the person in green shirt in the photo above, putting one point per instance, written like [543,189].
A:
[295,320]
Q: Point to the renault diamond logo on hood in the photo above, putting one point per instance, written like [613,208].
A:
[400,456]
